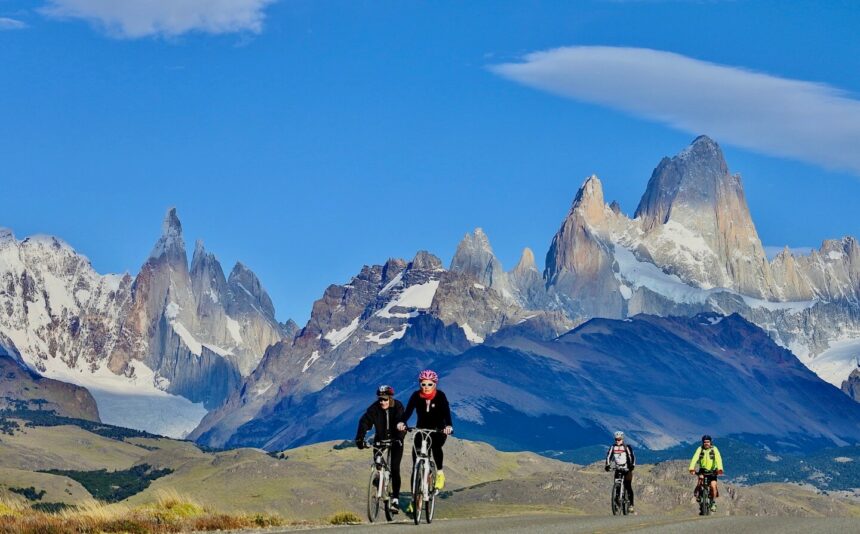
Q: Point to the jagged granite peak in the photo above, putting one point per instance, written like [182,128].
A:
[171,243]
[474,257]
[290,329]
[247,290]
[527,262]
[693,201]
[615,207]
[851,386]
[579,263]
[426,261]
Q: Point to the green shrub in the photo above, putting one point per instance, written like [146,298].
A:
[344,518]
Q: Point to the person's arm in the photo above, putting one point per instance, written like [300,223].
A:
[695,459]
[608,457]
[410,407]
[631,458]
[446,411]
[364,425]
[719,460]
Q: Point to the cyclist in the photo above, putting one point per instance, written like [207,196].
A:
[384,415]
[622,456]
[710,463]
[433,412]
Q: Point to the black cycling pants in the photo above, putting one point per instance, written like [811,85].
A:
[628,484]
[436,447]
[394,466]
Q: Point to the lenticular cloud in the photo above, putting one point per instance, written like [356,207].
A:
[808,121]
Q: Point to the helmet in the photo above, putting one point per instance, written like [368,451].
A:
[706,437]
[619,434]
[427,374]
[385,391]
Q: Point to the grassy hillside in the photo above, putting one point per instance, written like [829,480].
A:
[314,482]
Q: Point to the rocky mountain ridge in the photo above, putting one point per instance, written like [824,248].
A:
[182,338]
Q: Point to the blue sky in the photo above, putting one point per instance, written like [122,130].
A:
[307,138]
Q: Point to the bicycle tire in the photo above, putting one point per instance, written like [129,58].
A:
[430,505]
[417,498]
[614,500]
[387,496]
[372,499]
[705,503]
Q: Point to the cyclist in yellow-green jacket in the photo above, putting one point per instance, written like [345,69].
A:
[710,463]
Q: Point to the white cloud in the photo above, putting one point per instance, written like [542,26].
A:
[11,24]
[808,121]
[140,18]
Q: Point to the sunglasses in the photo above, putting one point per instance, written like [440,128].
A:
[619,439]
[383,399]
[427,384]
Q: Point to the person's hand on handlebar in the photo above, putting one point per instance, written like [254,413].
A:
[692,471]
[401,426]
[448,430]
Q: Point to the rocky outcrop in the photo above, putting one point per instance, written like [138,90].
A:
[851,386]
[21,387]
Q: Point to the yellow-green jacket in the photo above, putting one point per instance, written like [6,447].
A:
[709,460]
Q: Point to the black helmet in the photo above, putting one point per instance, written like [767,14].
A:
[385,391]
[706,437]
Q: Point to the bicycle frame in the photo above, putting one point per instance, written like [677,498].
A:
[423,488]
[619,491]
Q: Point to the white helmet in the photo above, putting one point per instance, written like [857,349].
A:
[619,434]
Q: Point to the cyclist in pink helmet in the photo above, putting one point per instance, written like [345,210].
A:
[433,412]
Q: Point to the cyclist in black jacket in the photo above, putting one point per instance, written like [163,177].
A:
[433,412]
[384,414]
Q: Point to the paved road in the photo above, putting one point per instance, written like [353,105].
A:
[571,524]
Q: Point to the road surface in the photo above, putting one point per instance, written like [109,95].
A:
[573,524]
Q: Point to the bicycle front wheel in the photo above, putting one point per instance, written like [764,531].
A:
[417,494]
[373,494]
[614,500]
[430,505]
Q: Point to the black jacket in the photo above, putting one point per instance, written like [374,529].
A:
[385,421]
[436,415]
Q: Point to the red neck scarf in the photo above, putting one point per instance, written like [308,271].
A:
[428,396]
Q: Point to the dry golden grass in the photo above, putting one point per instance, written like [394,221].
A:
[171,512]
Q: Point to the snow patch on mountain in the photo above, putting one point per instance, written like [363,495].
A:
[336,337]
[837,362]
[471,335]
[135,402]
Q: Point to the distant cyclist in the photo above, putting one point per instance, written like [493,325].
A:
[622,456]
[710,463]
[433,412]
[384,414]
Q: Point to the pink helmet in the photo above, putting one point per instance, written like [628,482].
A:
[427,374]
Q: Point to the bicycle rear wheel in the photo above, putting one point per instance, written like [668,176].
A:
[430,505]
[373,500]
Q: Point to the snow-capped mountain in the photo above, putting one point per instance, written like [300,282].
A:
[691,248]
[157,350]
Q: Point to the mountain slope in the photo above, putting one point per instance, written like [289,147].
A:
[663,380]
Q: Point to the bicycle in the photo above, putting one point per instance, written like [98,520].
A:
[423,476]
[704,491]
[620,499]
[379,487]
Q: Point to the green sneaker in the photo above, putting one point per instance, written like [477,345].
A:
[410,509]
[713,507]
